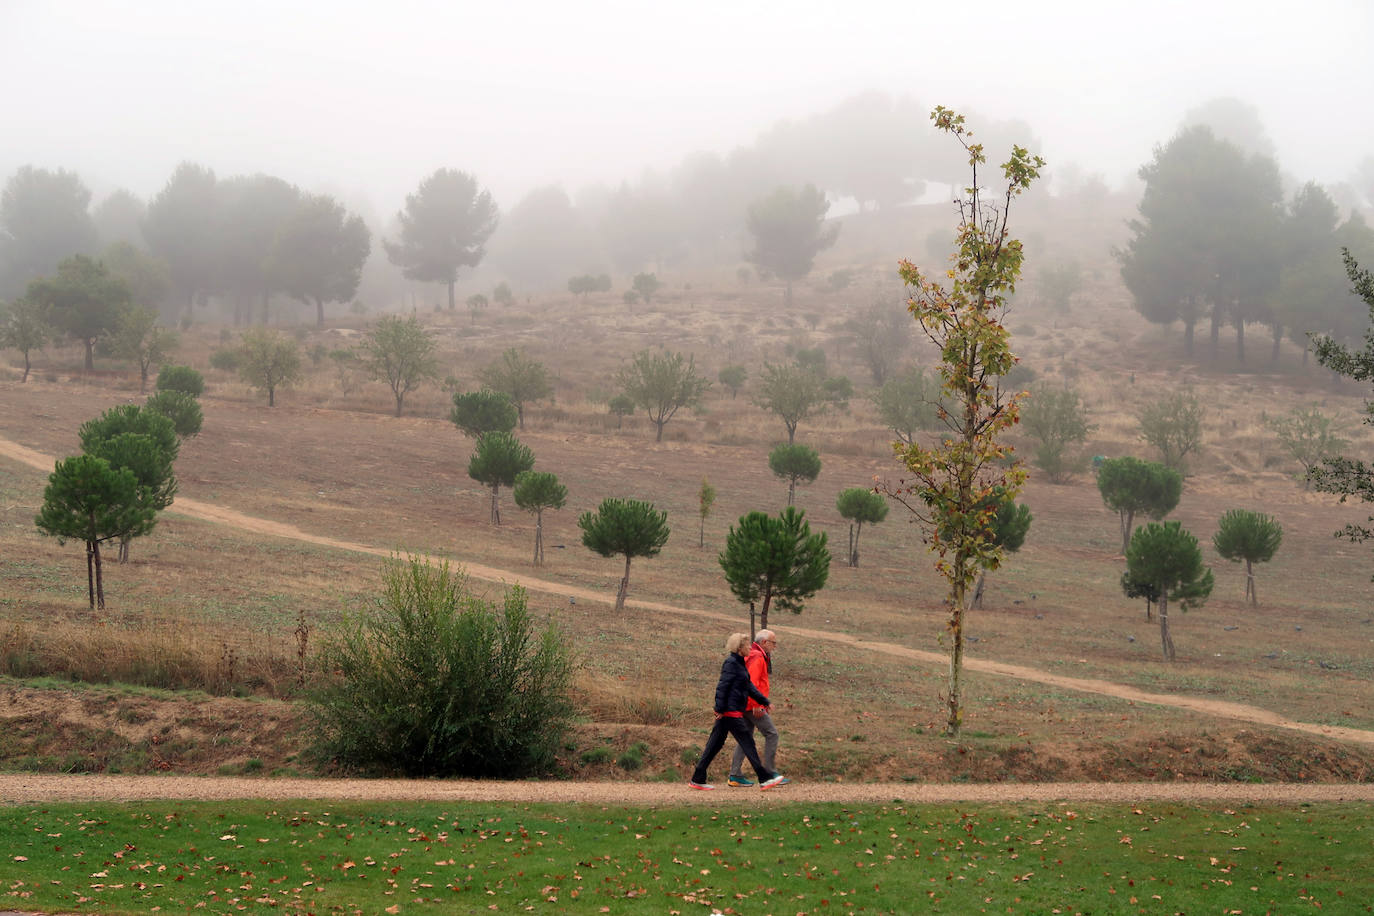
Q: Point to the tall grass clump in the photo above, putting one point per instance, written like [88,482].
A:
[434,680]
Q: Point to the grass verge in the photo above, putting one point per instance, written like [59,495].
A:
[303,856]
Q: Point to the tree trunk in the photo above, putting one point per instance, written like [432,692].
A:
[763,614]
[701,533]
[791,432]
[977,600]
[791,489]
[1278,339]
[624,586]
[1250,583]
[142,378]
[400,403]
[1188,337]
[90,572]
[1165,639]
[954,702]
[787,303]
[1240,339]
[451,306]
[319,313]
[271,396]
[1149,610]
[1127,517]
[1216,332]
[659,424]
[26,368]
[538,537]
[495,507]
[90,354]
[99,578]
[123,553]
[853,556]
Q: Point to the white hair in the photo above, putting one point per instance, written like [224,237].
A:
[735,642]
[761,635]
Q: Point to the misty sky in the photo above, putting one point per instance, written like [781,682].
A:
[363,99]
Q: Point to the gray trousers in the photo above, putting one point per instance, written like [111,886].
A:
[763,722]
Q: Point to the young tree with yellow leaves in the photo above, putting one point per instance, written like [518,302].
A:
[947,487]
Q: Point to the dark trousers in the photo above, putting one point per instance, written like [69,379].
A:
[732,725]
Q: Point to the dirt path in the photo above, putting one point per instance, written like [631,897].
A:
[1219,708]
[27,788]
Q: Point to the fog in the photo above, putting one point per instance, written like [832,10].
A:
[364,99]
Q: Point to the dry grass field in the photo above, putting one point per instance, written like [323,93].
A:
[217,605]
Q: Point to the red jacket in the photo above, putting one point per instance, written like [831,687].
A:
[758,664]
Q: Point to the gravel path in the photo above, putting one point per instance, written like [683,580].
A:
[30,788]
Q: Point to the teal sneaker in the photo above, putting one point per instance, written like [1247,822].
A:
[739,782]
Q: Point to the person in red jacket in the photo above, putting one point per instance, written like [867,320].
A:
[757,717]
[732,691]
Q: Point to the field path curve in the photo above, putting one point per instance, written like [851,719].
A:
[1221,709]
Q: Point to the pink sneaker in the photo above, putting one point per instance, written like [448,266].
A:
[777,780]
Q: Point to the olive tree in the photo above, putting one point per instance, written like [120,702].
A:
[24,327]
[269,360]
[1309,438]
[1056,419]
[137,337]
[908,403]
[624,527]
[1174,426]
[1250,536]
[400,352]
[733,378]
[519,378]
[662,384]
[793,392]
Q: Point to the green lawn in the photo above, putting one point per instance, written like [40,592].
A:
[318,857]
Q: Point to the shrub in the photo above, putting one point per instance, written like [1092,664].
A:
[633,758]
[226,359]
[180,378]
[181,408]
[435,680]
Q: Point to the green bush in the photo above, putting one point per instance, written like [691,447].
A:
[180,378]
[435,680]
[633,758]
[595,756]
[226,359]
[181,408]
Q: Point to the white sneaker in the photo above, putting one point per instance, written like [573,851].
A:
[703,786]
[777,780]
